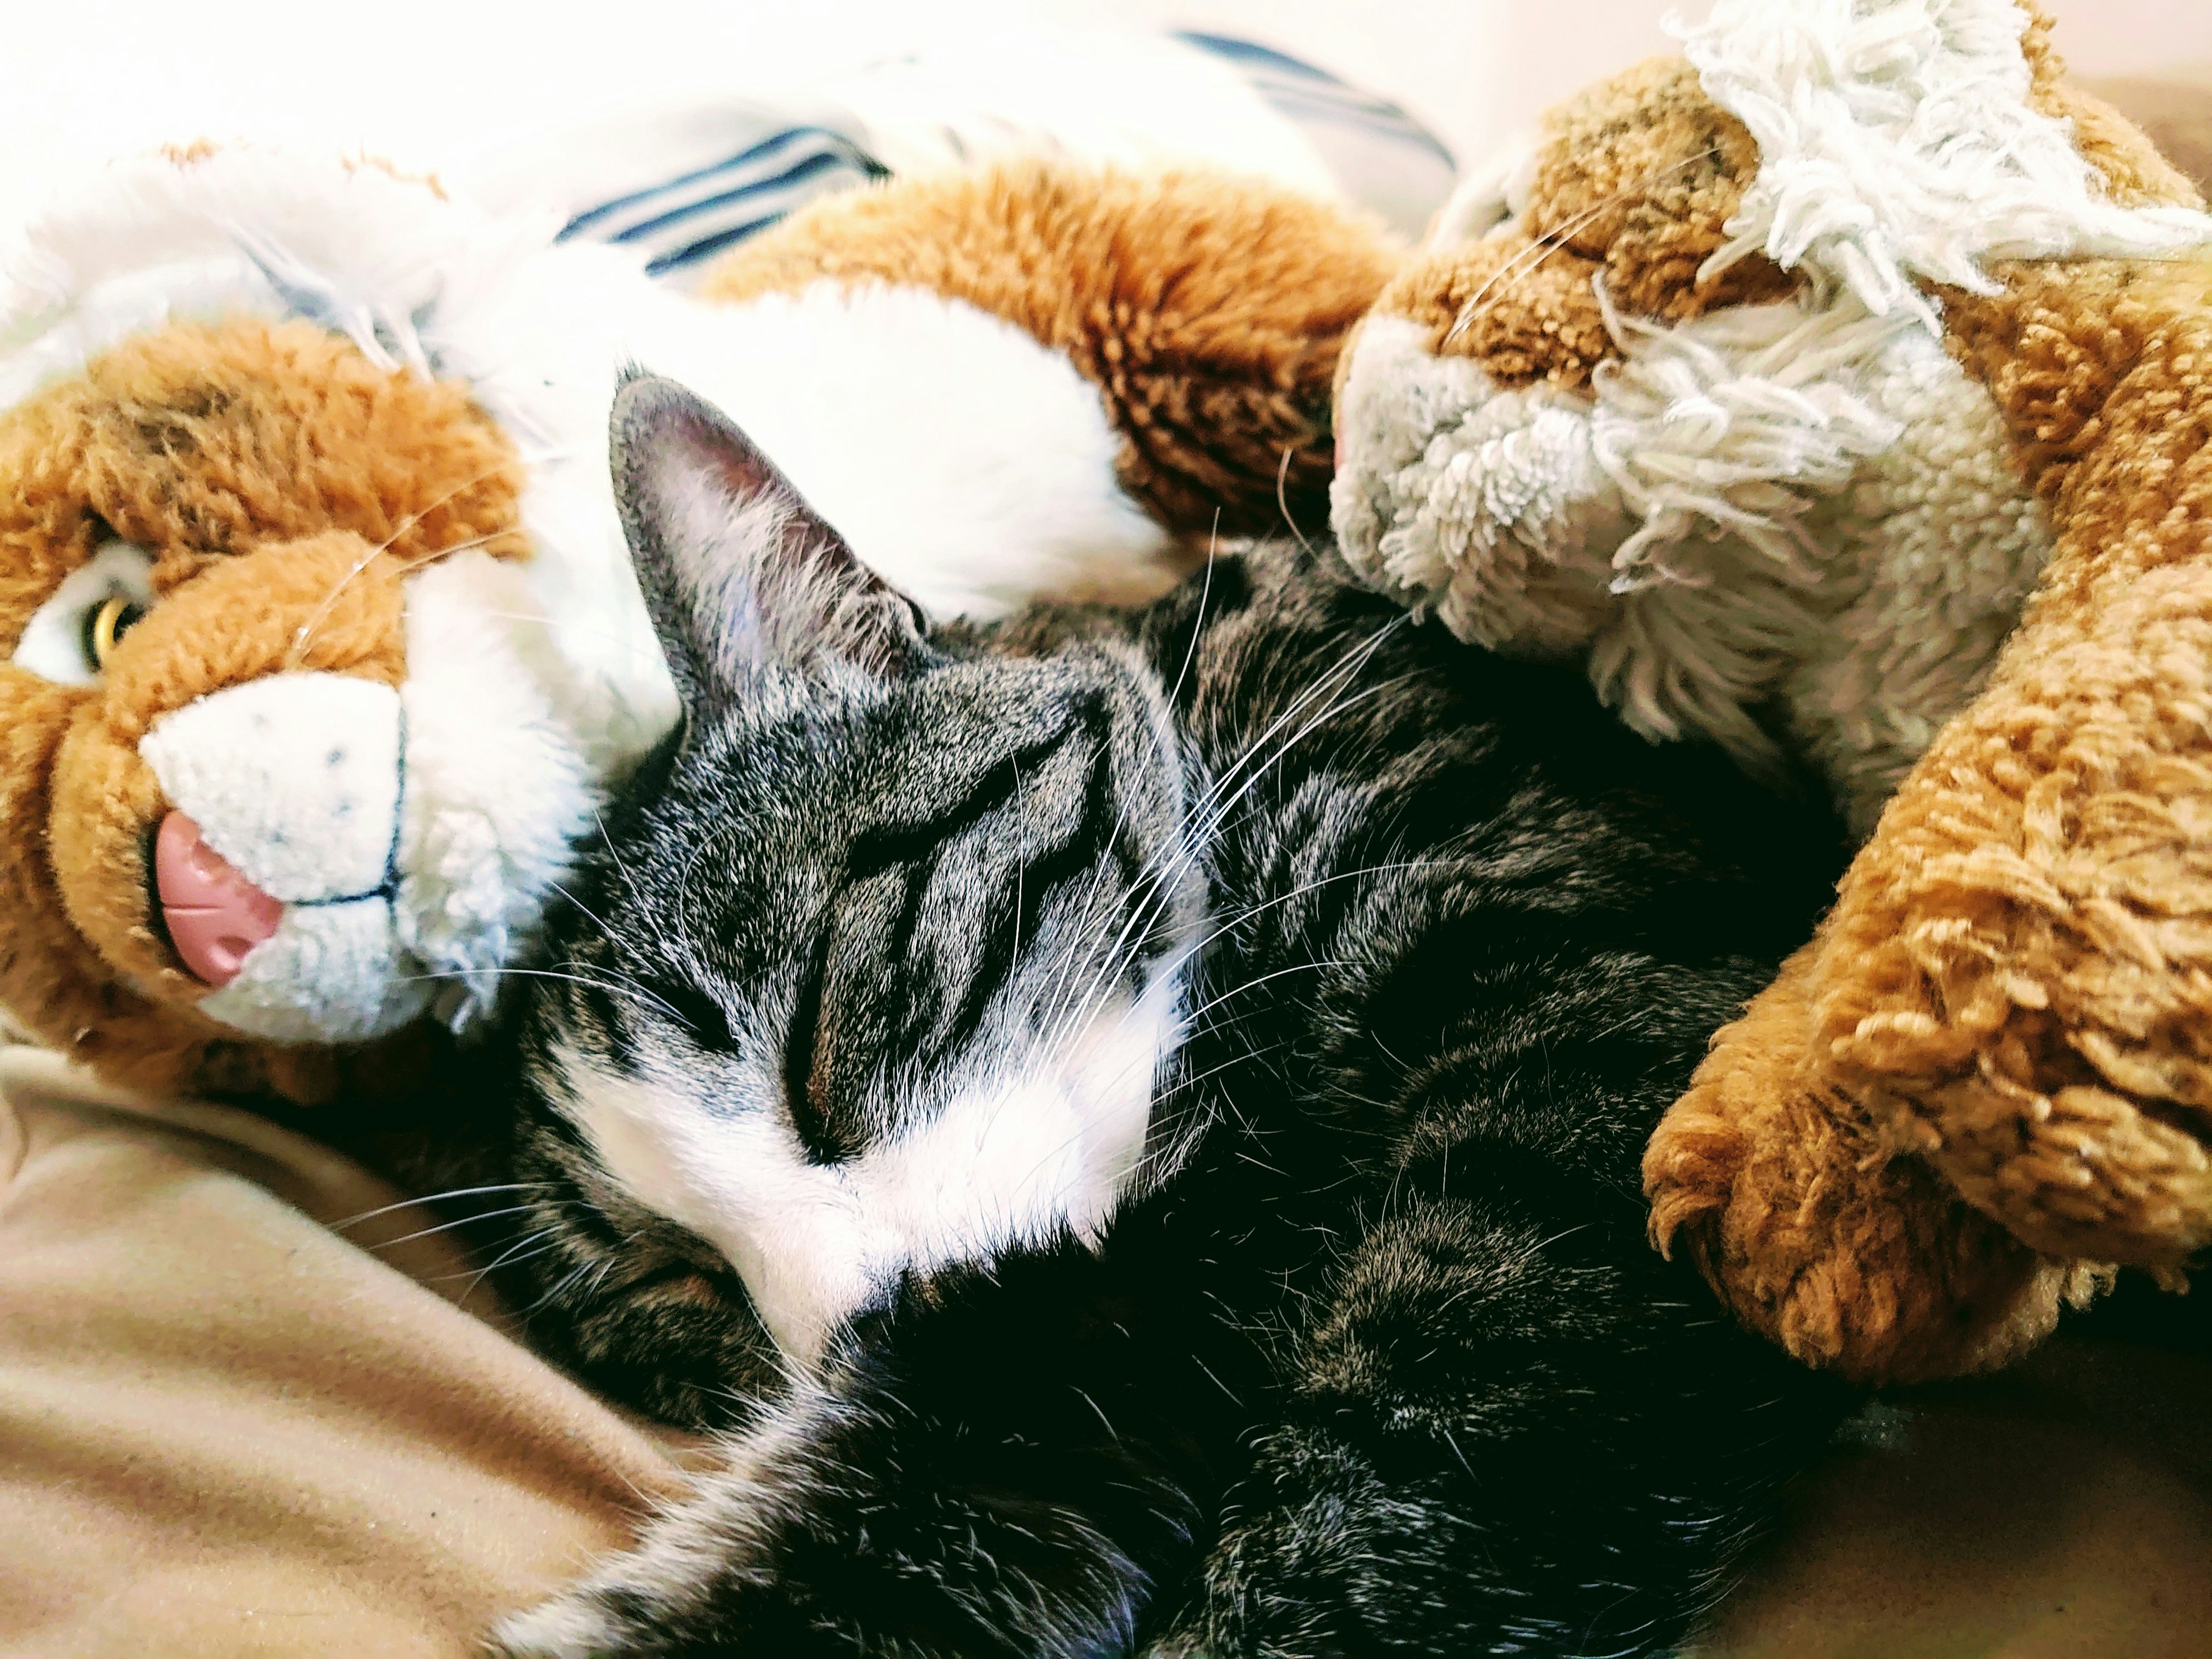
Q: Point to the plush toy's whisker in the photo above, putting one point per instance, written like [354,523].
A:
[1283,499]
[1512,272]
[305,633]
[303,636]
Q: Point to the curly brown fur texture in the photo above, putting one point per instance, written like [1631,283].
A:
[1819,1235]
[1633,183]
[1640,174]
[1208,311]
[1526,311]
[2015,985]
[266,465]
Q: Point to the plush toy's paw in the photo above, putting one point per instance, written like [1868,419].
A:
[1822,1237]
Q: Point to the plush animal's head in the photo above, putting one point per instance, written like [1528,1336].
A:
[298,737]
[1671,389]
[226,642]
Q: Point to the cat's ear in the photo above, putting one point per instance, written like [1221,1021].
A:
[739,575]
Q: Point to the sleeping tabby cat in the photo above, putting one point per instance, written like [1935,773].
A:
[1130,1122]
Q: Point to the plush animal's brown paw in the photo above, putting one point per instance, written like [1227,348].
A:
[1822,1237]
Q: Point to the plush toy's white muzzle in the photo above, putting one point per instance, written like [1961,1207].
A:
[295,780]
[412,837]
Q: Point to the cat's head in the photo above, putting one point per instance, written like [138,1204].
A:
[879,969]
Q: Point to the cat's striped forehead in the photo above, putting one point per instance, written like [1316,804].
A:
[886,976]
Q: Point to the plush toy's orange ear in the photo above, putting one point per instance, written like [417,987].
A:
[1641,174]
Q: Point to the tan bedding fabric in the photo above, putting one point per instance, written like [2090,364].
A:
[229,1431]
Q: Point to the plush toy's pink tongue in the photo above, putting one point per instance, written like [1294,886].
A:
[216,915]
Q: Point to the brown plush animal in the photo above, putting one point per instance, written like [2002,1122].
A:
[322,645]
[1771,380]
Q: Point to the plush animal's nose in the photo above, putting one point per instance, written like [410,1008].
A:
[216,915]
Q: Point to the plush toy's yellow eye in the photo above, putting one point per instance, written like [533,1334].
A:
[107,625]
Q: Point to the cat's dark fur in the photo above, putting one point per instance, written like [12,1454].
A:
[1400,949]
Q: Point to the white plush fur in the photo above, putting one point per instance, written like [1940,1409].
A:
[1034,1143]
[502,783]
[1897,146]
[330,973]
[1798,503]
[1489,505]
[1830,518]
[295,779]
[969,465]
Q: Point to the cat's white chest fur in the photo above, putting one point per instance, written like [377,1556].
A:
[1043,1141]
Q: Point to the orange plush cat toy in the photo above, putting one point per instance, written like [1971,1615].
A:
[322,646]
[1771,382]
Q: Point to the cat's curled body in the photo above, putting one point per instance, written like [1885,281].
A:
[1130,1124]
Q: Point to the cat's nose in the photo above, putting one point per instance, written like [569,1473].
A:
[214,914]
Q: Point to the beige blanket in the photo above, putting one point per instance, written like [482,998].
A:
[227,1429]
[246,1409]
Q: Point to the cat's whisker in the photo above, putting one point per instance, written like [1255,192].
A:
[653,920]
[464,1221]
[1241,917]
[636,993]
[1255,982]
[1198,621]
[1020,866]
[1203,835]
[561,1286]
[435,1198]
[587,909]
[613,942]
[1204,818]
[529,1247]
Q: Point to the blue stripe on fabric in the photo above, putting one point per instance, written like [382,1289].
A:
[1381,117]
[675,249]
[1309,93]
[752,156]
[692,252]
[799,173]
[1250,52]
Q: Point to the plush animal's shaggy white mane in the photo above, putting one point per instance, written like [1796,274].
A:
[1898,144]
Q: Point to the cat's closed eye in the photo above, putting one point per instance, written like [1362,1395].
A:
[705,1021]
